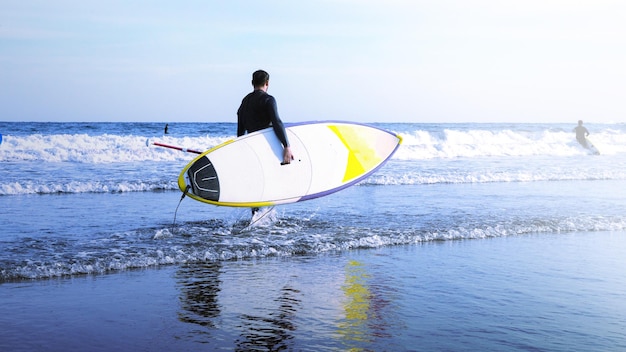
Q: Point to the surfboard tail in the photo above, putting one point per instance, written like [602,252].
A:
[203,179]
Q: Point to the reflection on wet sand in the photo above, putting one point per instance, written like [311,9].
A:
[270,330]
[271,333]
[363,308]
[199,287]
[357,305]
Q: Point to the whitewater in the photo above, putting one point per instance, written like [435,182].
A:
[114,157]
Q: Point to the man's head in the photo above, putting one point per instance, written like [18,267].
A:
[260,78]
[580,122]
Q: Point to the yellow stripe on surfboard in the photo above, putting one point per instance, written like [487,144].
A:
[361,157]
[233,204]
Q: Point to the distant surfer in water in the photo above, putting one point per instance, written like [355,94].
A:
[167,127]
[581,134]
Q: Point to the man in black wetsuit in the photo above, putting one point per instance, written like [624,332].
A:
[258,110]
[581,134]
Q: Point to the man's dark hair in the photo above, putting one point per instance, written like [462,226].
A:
[259,78]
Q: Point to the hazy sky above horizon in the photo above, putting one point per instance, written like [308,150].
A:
[368,61]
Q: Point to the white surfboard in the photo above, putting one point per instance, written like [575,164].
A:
[592,148]
[247,171]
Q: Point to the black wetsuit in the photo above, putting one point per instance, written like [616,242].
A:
[258,110]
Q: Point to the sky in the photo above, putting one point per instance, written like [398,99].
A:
[353,60]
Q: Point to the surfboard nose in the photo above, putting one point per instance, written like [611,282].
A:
[203,180]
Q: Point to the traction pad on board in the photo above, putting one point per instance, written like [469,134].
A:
[204,181]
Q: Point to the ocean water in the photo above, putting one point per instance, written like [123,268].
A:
[472,237]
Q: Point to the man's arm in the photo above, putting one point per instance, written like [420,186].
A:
[277,124]
[279,130]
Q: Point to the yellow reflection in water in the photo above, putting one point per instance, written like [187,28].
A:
[356,306]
